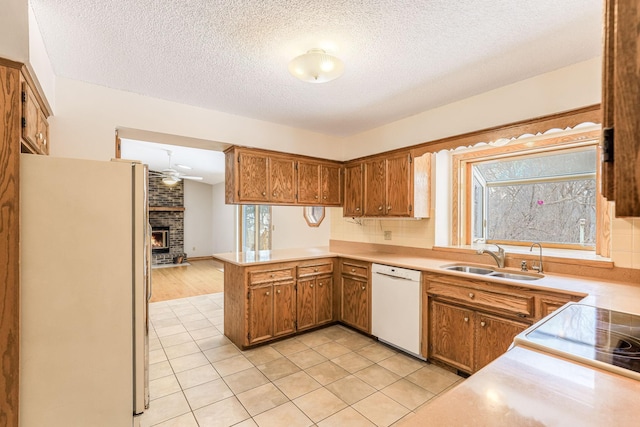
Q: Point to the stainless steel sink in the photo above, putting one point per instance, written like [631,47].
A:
[488,271]
[470,269]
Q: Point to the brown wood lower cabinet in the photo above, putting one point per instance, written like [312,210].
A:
[270,301]
[355,295]
[271,310]
[473,322]
[467,339]
[315,301]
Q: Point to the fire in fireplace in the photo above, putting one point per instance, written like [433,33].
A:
[160,239]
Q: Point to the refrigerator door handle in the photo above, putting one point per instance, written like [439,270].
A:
[148,252]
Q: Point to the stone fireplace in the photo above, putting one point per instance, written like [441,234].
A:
[166,217]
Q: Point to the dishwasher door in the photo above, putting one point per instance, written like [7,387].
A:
[396,305]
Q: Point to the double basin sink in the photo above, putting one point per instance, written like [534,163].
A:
[488,271]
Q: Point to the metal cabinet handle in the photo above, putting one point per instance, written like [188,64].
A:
[311,285]
[320,284]
[466,319]
[264,193]
[275,194]
[379,208]
[267,293]
[315,197]
[471,295]
[364,288]
[389,207]
[315,270]
[324,197]
[357,209]
[353,270]
[273,275]
[483,324]
[278,290]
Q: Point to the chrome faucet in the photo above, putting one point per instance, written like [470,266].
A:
[499,256]
[538,267]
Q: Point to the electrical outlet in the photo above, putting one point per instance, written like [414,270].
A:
[387,235]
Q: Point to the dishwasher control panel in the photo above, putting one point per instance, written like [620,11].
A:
[397,272]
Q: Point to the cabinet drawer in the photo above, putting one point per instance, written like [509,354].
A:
[355,270]
[271,275]
[518,304]
[312,270]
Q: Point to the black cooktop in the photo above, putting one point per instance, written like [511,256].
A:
[594,334]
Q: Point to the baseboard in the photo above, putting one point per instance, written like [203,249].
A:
[199,258]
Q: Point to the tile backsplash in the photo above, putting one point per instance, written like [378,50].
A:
[625,234]
[625,242]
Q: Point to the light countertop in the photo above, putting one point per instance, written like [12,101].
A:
[606,294]
[524,388]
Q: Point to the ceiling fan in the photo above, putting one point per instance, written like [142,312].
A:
[171,176]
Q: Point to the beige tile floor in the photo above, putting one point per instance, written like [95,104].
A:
[326,378]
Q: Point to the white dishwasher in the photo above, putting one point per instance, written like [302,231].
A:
[395,307]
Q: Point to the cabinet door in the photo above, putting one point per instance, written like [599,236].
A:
[284,308]
[331,185]
[308,182]
[353,191]
[493,337]
[621,109]
[451,335]
[252,176]
[324,299]
[374,188]
[355,307]
[30,113]
[306,303]
[260,313]
[282,180]
[43,132]
[399,196]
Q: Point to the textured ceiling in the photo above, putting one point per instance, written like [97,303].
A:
[401,57]
[207,164]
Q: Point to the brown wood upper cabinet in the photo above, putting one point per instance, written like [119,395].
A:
[387,186]
[396,185]
[620,106]
[35,127]
[268,177]
[319,183]
[353,190]
[256,176]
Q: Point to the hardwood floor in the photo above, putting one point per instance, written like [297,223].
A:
[199,278]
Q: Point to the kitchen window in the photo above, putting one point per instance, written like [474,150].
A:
[255,223]
[544,189]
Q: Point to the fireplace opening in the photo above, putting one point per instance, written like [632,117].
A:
[160,239]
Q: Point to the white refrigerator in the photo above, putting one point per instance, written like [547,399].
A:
[85,284]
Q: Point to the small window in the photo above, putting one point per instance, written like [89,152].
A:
[313,215]
[256,227]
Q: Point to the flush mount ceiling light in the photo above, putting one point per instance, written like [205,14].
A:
[316,66]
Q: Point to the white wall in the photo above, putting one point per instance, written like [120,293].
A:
[14,30]
[571,87]
[39,61]
[198,227]
[88,115]
[564,89]
[223,218]
[291,229]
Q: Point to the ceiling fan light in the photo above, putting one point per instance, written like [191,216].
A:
[316,66]
[170,180]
